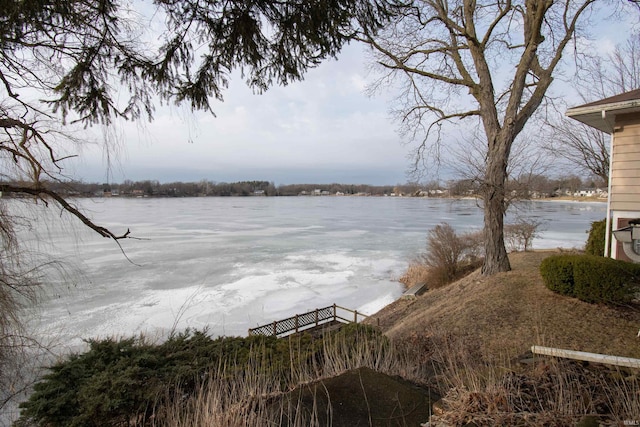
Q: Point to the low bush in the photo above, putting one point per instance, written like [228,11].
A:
[417,272]
[591,278]
[599,279]
[519,235]
[557,273]
[124,382]
[117,381]
[595,241]
[450,255]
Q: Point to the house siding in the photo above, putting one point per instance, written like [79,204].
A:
[625,171]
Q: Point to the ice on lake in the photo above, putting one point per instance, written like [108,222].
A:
[230,264]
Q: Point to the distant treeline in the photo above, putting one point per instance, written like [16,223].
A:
[152,188]
[531,186]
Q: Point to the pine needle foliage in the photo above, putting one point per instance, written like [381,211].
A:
[93,63]
[119,382]
[596,239]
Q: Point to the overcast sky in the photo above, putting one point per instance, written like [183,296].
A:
[324,129]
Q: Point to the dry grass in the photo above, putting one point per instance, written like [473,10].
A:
[474,331]
[252,397]
[505,314]
[435,277]
[462,340]
[549,392]
[417,272]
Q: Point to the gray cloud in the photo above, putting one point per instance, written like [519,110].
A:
[323,129]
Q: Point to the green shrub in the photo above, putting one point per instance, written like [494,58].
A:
[606,280]
[117,381]
[123,382]
[591,278]
[557,273]
[595,241]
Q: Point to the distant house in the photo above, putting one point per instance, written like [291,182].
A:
[590,192]
[619,116]
[438,192]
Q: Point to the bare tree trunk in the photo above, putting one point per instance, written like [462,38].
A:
[437,45]
[496,259]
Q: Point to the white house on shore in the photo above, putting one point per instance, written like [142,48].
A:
[619,116]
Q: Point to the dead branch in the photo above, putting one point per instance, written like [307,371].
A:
[41,192]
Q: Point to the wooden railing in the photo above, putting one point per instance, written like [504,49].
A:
[308,320]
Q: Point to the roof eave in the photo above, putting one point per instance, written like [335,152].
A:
[602,117]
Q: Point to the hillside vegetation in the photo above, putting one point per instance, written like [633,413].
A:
[505,314]
[455,356]
[477,332]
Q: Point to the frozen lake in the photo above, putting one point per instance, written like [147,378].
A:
[234,263]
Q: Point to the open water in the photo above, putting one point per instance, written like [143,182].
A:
[229,264]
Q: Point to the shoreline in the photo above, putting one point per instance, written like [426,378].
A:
[545,199]
[572,199]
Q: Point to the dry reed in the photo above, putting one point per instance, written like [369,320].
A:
[256,396]
[487,391]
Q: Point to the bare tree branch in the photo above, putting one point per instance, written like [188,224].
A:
[503,54]
[40,193]
[600,77]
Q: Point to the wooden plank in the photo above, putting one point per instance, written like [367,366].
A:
[625,185]
[628,126]
[626,137]
[625,206]
[625,146]
[587,357]
[628,133]
[625,198]
[631,156]
[625,172]
[625,129]
[415,290]
[351,311]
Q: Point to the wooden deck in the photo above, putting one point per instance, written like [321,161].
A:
[320,318]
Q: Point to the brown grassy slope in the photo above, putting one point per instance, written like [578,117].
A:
[504,315]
